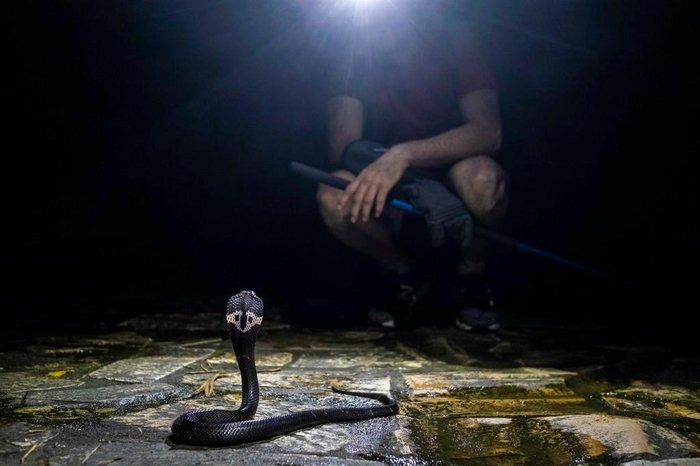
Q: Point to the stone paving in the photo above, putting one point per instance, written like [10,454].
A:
[517,397]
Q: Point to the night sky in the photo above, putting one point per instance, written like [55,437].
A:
[148,141]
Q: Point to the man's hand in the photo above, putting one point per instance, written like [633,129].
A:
[371,187]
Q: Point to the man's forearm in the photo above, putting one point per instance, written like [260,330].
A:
[451,146]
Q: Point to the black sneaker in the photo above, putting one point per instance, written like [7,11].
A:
[476,307]
[401,297]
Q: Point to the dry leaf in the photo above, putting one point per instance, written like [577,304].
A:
[57,373]
[29,452]
[207,386]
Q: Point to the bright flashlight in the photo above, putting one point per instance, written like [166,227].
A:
[362,4]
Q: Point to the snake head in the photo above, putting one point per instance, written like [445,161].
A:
[245,311]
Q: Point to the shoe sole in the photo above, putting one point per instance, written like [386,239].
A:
[389,324]
[470,328]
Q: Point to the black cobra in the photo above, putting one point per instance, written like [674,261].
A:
[220,427]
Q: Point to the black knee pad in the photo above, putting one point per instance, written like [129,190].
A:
[360,153]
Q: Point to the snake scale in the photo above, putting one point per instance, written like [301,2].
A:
[221,427]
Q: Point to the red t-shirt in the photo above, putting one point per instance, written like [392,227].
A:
[419,97]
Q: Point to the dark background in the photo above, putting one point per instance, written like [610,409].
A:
[147,145]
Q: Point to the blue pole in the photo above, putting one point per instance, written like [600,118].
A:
[319,176]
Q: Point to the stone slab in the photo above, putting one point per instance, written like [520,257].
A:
[262,359]
[442,382]
[373,437]
[667,462]
[357,359]
[320,340]
[448,407]
[301,380]
[134,453]
[19,436]
[17,383]
[147,368]
[120,396]
[626,436]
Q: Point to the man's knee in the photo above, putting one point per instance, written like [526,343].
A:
[483,185]
[327,198]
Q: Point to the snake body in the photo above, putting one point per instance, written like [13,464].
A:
[221,427]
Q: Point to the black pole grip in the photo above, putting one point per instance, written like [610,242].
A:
[314,174]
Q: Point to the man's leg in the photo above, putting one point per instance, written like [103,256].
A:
[483,186]
[373,237]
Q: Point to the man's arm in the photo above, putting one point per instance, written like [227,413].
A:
[345,120]
[479,135]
